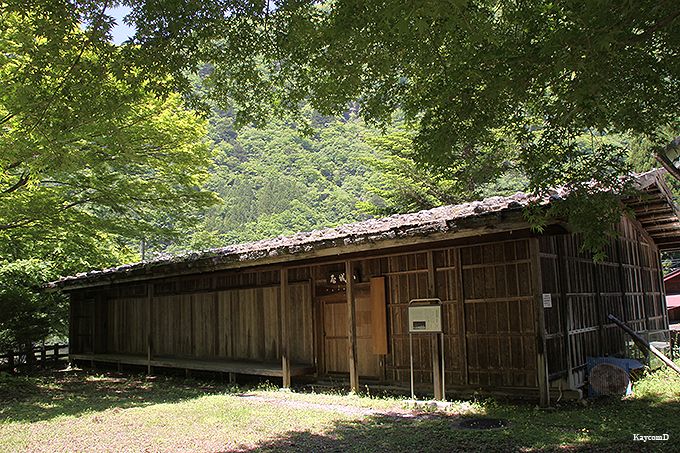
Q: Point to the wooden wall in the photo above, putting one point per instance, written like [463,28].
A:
[197,317]
[488,320]
[490,292]
[486,292]
[627,284]
[500,317]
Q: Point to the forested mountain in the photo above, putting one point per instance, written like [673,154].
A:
[276,181]
[280,179]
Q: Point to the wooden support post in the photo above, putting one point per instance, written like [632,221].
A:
[622,277]
[351,328]
[93,327]
[56,353]
[662,291]
[10,361]
[285,329]
[437,372]
[149,314]
[232,378]
[541,358]
[641,270]
[319,307]
[598,309]
[71,328]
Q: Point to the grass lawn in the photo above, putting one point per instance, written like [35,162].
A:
[81,411]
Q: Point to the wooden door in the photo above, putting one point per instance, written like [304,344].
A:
[335,334]
[368,363]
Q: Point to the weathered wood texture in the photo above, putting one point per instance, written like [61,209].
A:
[488,320]
[335,333]
[499,315]
[489,292]
[378,314]
[197,318]
[626,284]
[488,324]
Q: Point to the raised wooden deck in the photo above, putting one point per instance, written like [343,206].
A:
[226,366]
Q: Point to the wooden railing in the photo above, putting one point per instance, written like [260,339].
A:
[42,355]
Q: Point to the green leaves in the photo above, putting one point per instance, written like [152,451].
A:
[275,181]
[85,146]
[476,76]
[95,153]
[27,314]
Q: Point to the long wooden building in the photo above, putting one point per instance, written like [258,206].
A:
[521,311]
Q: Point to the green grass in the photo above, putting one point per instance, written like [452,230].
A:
[79,411]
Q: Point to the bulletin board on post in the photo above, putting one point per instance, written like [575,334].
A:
[425,317]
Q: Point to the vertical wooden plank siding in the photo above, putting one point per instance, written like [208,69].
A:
[500,298]
[434,341]
[541,360]
[497,335]
[625,283]
[408,279]
[301,323]
[285,329]
[379,315]
[462,329]
[351,328]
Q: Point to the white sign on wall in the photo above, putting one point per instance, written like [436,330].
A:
[425,318]
[547,300]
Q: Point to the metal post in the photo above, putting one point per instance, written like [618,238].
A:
[438,339]
[443,352]
[410,348]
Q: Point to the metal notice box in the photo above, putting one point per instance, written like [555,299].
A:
[425,318]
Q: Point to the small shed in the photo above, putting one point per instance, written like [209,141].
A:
[521,310]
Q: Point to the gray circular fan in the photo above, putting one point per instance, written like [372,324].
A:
[608,379]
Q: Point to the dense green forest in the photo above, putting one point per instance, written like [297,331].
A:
[280,179]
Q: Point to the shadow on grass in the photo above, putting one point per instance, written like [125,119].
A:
[600,426]
[68,393]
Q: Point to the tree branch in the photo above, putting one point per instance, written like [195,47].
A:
[62,83]
[22,181]
[658,25]
[29,220]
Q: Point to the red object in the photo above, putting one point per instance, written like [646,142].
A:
[671,282]
[673,301]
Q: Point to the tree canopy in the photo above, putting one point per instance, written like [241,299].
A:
[541,83]
[94,154]
[541,72]
[86,146]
